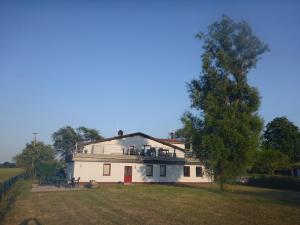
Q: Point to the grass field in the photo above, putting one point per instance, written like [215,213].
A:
[156,204]
[5,173]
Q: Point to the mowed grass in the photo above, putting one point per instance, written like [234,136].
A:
[157,204]
[6,173]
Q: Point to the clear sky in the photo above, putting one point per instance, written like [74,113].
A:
[115,65]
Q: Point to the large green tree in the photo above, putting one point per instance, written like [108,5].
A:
[282,135]
[190,133]
[34,157]
[66,138]
[228,104]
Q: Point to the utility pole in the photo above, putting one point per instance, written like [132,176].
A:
[34,138]
[34,144]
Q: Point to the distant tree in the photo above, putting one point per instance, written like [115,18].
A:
[66,138]
[284,136]
[269,160]
[229,105]
[34,156]
[88,135]
[7,165]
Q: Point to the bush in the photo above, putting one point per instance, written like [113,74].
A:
[275,182]
[270,160]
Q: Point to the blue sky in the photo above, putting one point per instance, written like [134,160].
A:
[115,65]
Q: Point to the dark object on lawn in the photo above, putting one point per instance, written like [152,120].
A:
[92,184]
[76,182]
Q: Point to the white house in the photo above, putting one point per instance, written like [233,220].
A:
[135,158]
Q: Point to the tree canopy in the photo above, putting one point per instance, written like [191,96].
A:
[66,138]
[229,123]
[190,133]
[283,136]
[88,135]
[34,157]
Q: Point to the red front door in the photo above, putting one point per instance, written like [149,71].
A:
[128,174]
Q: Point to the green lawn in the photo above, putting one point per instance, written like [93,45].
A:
[157,204]
[6,173]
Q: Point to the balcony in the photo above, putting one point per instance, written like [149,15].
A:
[150,153]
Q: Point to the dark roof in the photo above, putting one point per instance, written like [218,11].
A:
[174,141]
[137,134]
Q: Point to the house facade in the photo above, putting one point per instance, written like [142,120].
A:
[135,158]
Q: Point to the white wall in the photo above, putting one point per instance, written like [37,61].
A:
[116,146]
[179,145]
[94,171]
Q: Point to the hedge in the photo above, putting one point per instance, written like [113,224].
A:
[275,182]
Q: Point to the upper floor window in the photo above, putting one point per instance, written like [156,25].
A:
[149,170]
[106,169]
[163,170]
[132,150]
[186,171]
[199,172]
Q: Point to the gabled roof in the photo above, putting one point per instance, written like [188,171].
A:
[137,134]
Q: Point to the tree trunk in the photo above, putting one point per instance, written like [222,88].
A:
[221,180]
[221,185]
[272,172]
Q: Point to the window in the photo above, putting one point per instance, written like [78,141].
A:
[163,170]
[132,150]
[199,171]
[186,171]
[106,169]
[147,147]
[149,170]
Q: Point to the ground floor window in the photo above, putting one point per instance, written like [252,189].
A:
[149,170]
[199,172]
[163,170]
[106,169]
[186,171]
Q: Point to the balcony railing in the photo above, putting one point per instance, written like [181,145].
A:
[153,153]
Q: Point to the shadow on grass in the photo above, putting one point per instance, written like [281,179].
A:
[264,194]
[205,186]
[275,196]
[30,221]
